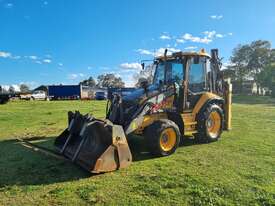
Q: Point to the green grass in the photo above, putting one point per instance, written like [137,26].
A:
[237,170]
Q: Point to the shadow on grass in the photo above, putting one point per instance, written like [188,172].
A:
[242,99]
[23,166]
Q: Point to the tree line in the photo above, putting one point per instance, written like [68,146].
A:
[11,89]
[104,80]
[253,61]
[111,81]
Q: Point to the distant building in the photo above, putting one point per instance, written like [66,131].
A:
[79,91]
[73,91]
[248,87]
[89,92]
[42,88]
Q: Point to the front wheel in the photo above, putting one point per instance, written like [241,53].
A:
[210,124]
[162,137]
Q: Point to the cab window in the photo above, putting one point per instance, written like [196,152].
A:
[175,72]
[197,74]
[159,74]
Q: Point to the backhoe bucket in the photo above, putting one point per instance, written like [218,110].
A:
[95,145]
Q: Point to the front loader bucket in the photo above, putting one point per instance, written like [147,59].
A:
[96,145]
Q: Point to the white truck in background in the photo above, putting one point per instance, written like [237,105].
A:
[38,95]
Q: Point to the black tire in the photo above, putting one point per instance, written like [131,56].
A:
[154,135]
[204,134]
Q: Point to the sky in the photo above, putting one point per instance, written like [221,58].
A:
[66,41]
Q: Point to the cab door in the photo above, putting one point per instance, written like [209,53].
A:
[196,80]
[175,75]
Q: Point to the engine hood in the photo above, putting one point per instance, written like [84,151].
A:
[140,94]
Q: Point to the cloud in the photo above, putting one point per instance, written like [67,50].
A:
[47,61]
[212,34]
[5,54]
[145,52]
[180,41]
[74,76]
[33,57]
[206,38]
[158,52]
[45,3]
[131,66]
[209,34]
[104,68]
[220,35]
[226,65]
[217,17]
[16,87]
[31,84]
[190,48]
[9,6]
[5,88]
[190,37]
[165,37]
[129,80]
[16,57]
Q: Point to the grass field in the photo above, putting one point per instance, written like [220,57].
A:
[237,170]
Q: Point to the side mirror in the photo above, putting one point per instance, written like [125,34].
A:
[144,83]
[142,66]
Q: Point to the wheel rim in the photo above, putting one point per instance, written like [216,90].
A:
[168,139]
[213,124]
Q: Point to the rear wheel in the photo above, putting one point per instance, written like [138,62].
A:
[210,124]
[162,137]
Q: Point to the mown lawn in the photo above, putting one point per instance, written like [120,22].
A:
[237,170]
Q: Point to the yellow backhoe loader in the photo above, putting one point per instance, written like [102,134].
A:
[188,98]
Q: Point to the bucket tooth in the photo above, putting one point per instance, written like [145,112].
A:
[107,162]
[120,141]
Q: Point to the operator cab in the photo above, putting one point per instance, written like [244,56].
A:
[183,75]
[188,71]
